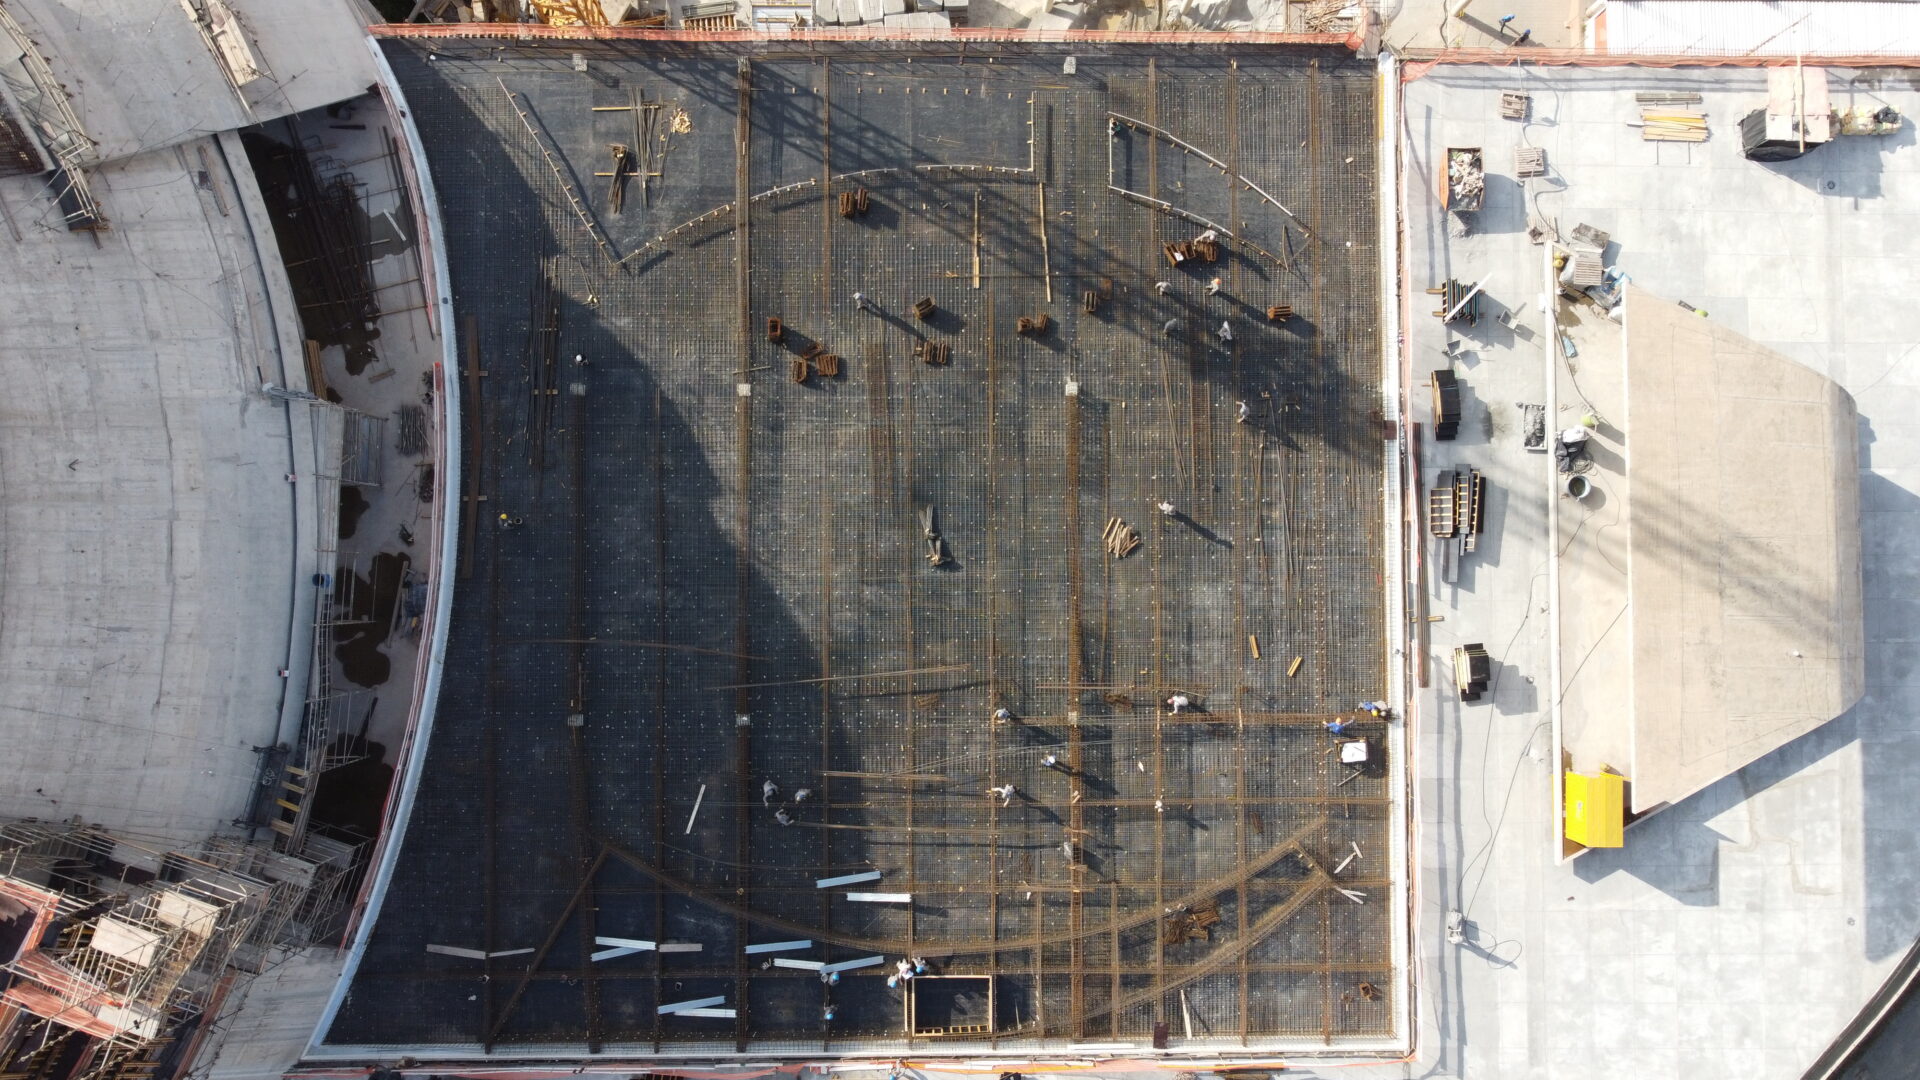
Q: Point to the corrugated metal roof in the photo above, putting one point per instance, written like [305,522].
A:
[1764,27]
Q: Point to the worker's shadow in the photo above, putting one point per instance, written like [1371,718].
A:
[1204,533]
[1296,325]
[1487,948]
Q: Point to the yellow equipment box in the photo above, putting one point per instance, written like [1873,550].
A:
[1596,809]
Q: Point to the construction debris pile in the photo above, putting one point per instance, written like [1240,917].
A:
[1466,179]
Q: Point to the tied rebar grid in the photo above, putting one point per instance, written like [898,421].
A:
[723,572]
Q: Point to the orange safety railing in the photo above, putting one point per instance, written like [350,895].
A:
[956,35]
[1418,62]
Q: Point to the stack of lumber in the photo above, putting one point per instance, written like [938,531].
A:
[1663,123]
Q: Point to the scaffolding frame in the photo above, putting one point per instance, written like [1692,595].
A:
[349,450]
[133,944]
[63,139]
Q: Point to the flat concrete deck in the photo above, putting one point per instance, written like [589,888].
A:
[140,75]
[1739,929]
[147,529]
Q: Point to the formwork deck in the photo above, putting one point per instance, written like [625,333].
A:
[722,573]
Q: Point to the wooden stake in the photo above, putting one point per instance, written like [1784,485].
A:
[1253,643]
[1046,259]
[976,239]
[1294,668]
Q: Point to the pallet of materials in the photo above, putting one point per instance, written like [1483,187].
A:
[1472,670]
[1664,123]
[1446,404]
[1442,522]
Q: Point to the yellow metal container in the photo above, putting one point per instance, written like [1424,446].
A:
[1596,809]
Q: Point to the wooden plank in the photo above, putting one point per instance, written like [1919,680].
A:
[316,370]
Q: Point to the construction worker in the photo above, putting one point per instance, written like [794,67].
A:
[919,966]
[1213,287]
[1338,725]
[508,521]
[1166,508]
[1170,326]
[803,795]
[1051,761]
[827,1013]
[1006,793]
[1163,287]
[1226,331]
[831,978]
[1066,848]
[1207,237]
[1176,702]
[1376,709]
[1159,806]
[782,816]
[1002,716]
[767,791]
[860,301]
[1242,413]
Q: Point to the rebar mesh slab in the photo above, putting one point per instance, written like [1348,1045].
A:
[686,573]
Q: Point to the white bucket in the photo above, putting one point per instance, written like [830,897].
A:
[1577,486]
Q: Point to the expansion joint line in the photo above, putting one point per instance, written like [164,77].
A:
[743,524]
[1241,630]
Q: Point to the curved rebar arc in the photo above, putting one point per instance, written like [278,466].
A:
[1006,172]
[1216,163]
[1291,845]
